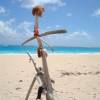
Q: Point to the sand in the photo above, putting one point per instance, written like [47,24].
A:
[77,76]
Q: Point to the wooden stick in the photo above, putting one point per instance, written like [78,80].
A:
[31,59]
[30,88]
[46,73]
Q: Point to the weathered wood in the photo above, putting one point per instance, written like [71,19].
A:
[60,31]
[47,83]
[31,59]
[46,73]
[30,88]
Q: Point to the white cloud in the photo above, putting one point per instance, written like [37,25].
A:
[6,28]
[57,26]
[10,34]
[32,3]
[48,27]
[2,10]
[79,38]
[69,14]
[25,27]
[7,33]
[79,34]
[97,12]
[14,34]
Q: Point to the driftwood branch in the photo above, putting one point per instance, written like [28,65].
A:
[34,79]
[30,88]
[31,59]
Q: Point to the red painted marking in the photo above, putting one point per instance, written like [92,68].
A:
[36,31]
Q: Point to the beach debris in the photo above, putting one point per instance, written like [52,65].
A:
[22,71]
[79,73]
[20,80]
[18,88]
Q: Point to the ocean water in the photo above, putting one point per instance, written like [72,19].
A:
[31,49]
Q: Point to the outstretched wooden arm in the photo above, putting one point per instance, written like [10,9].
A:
[61,31]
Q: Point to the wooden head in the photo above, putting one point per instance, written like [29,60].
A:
[37,11]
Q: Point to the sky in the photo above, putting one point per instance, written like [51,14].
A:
[81,18]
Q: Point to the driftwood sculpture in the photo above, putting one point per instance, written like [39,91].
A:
[37,12]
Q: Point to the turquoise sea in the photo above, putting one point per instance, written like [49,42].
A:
[31,49]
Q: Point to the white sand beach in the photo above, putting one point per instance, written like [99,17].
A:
[77,76]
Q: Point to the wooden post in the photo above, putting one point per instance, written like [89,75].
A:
[46,72]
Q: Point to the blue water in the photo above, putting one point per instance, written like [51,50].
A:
[21,50]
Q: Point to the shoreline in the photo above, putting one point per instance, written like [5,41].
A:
[51,53]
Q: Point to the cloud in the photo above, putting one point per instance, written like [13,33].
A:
[32,3]
[96,12]
[25,27]
[11,34]
[2,10]
[69,14]
[7,33]
[57,26]
[79,38]
[6,28]
[79,34]
[14,34]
